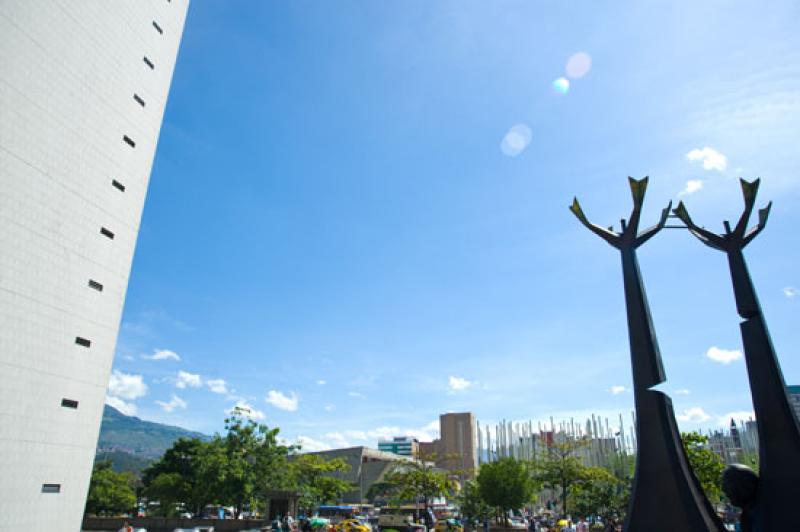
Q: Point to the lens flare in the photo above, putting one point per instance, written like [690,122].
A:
[561,85]
[516,140]
[578,65]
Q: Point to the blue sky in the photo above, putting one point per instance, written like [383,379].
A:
[346,230]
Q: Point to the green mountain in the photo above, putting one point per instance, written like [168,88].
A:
[131,443]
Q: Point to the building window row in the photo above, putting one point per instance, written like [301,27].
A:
[129,141]
[149,63]
[95,285]
[116,184]
[51,488]
[106,233]
[138,99]
[158,28]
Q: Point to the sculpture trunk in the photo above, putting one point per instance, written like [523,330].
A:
[778,429]
[665,495]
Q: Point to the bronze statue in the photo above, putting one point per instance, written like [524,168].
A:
[778,430]
[666,495]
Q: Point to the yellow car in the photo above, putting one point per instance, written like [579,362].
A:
[448,525]
[351,525]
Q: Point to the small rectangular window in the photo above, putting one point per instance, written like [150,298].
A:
[157,27]
[129,141]
[105,232]
[83,341]
[94,284]
[138,99]
[51,488]
[149,63]
[69,403]
[118,185]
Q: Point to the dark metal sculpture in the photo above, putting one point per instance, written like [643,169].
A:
[666,495]
[778,430]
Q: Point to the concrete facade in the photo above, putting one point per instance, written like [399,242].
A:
[367,466]
[458,449]
[83,87]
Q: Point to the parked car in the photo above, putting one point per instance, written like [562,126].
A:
[351,525]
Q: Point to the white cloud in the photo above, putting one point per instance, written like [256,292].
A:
[617,389]
[692,186]
[321,382]
[311,445]
[357,395]
[682,391]
[247,410]
[126,386]
[723,356]
[129,409]
[427,432]
[329,408]
[172,404]
[356,434]
[190,380]
[337,439]
[693,415]
[433,426]
[281,401]
[163,354]
[217,386]
[516,140]
[711,158]
[384,433]
[457,384]
[739,415]
[790,291]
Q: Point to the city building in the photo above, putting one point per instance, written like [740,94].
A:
[83,87]
[794,399]
[402,445]
[456,449]
[367,466]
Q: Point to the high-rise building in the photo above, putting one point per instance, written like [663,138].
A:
[457,445]
[402,445]
[83,87]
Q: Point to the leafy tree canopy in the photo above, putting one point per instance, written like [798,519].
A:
[314,477]
[110,493]
[707,464]
[506,484]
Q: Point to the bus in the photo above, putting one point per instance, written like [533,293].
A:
[403,519]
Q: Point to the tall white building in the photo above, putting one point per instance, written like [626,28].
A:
[83,84]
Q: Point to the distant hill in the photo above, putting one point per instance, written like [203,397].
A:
[131,444]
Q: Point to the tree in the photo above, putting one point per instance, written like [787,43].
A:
[560,469]
[472,505]
[601,494]
[505,484]
[707,464]
[110,493]
[178,477]
[313,477]
[254,461]
[417,479]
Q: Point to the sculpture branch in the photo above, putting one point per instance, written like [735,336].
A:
[628,237]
